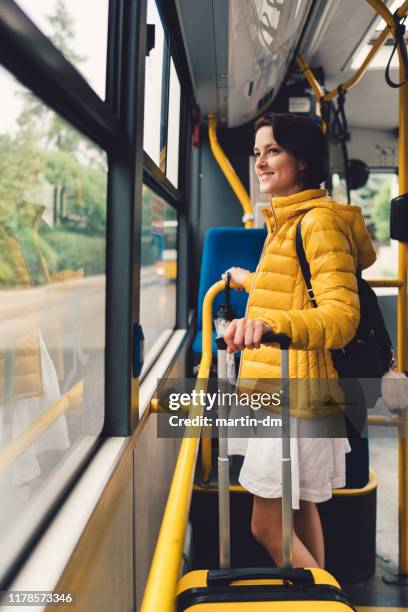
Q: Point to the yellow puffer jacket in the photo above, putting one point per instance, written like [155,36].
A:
[336,242]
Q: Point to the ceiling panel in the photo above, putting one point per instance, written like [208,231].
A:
[347,26]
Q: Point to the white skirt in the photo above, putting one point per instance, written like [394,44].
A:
[318,465]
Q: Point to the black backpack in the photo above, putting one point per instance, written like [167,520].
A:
[370,353]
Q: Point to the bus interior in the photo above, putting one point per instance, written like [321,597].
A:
[127,187]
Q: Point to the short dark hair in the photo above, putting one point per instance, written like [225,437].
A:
[301,137]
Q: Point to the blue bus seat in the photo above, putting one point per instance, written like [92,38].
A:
[225,247]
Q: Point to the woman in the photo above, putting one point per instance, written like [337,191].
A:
[291,162]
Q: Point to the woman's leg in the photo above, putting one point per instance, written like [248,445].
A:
[266,527]
[309,529]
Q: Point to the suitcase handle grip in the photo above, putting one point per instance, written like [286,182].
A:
[281,339]
[295,575]
[268,338]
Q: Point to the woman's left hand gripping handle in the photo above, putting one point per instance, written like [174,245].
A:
[238,276]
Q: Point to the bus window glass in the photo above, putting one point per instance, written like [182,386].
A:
[173,134]
[79,30]
[156,77]
[52,307]
[159,268]
[374,199]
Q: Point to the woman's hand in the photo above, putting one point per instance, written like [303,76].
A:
[238,276]
[245,333]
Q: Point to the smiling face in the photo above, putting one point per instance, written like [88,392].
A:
[277,170]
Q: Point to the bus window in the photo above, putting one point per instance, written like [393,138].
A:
[375,199]
[173,135]
[66,23]
[53,201]
[156,77]
[166,265]
[159,267]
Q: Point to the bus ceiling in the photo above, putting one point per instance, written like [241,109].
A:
[239,53]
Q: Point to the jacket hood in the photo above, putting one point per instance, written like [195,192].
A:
[299,203]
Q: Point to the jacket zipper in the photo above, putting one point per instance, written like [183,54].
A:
[267,242]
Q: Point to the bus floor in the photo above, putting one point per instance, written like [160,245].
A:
[376,594]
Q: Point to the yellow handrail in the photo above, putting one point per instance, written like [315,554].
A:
[161,587]
[383,11]
[315,85]
[403,9]
[371,484]
[385,282]
[387,16]
[381,420]
[19,445]
[402,331]
[357,76]
[230,173]
[309,74]
[207,346]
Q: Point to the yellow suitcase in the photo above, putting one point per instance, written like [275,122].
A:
[260,589]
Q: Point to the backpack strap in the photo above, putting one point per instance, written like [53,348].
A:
[304,265]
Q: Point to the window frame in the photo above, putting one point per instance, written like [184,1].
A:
[164,116]
[171,60]
[173,49]
[156,179]
[149,363]
[33,59]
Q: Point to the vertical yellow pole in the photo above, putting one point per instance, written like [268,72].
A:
[402,334]
[206,446]
[230,173]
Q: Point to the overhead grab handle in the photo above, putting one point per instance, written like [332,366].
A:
[400,44]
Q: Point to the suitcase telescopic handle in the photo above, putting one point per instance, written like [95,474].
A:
[268,338]
[282,339]
[224,577]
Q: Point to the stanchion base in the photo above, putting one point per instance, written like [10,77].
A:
[396,579]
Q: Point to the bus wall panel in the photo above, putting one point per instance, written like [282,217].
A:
[218,205]
[154,462]
[100,571]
